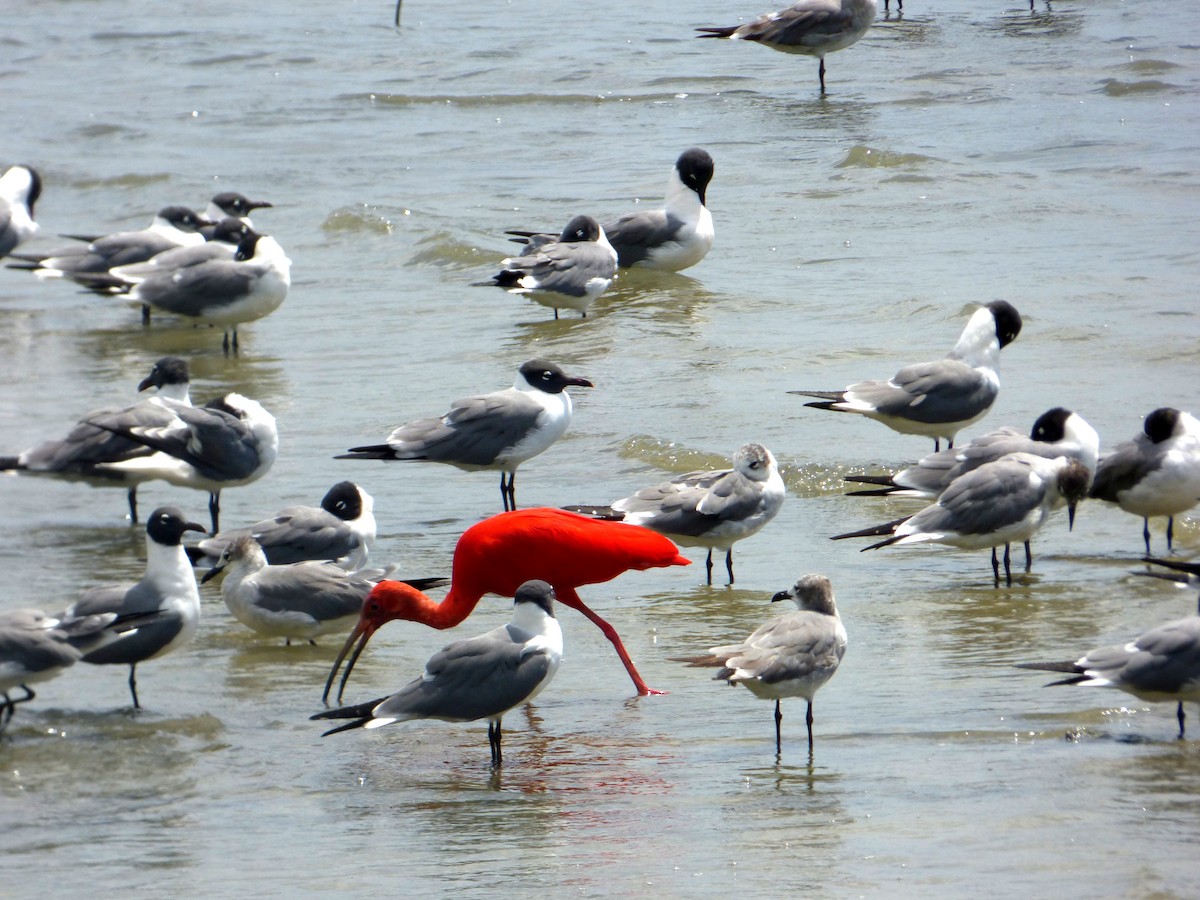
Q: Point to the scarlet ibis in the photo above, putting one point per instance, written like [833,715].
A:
[499,554]
[479,678]
[792,655]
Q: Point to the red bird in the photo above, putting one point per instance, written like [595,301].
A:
[498,555]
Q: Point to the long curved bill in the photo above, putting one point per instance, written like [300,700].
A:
[362,633]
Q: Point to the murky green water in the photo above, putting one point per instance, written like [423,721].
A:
[964,153]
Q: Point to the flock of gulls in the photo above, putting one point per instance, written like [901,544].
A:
[305,571]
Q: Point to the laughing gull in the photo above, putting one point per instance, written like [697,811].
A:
[809,28]
[937,399]
[478,678]
[222,243]
[1160,666]
[217,289]
[670,239]
[499,554]
[168,589]
[35,647]
[341,530]
[565,274]
[1000,502]
[792,655]
[228,442]
[100,457]
[713,509]
[1057,432]
[231,204]
[173,226]
[1155,474]
[300,600]
[20,188]
[491,431]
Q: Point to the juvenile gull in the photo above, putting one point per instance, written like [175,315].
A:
[301,600]
[478,678]
[792,655]
[809,28]
[712,509]
[669,239]
[490,431]
[937,399]
[1155,474]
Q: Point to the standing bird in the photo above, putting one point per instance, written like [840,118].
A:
[301,600]
[1162,665]
[168,589]
[228,442]
[498,555]
[809,27]
[937,399]
[793,655]
[1155,474]
[998,503]
[35,647]
[490,431]
[101,457]
[565,274]
[341,530]
[1057,432]
[173,226]
[706,508]
[478,678]
[216,290]
[670,239]
[20,188]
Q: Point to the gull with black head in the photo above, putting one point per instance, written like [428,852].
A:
[670,239]
[937,399]
[496,431]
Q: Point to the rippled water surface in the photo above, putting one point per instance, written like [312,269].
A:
[964,152]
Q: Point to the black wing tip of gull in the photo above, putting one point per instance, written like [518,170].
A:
[1179,565]
[607,513]
[374,451]
[874,530]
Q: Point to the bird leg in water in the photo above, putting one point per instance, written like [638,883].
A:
[494,742]
[133,685]
[778,728]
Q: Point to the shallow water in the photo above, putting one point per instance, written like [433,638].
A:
[963,153]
